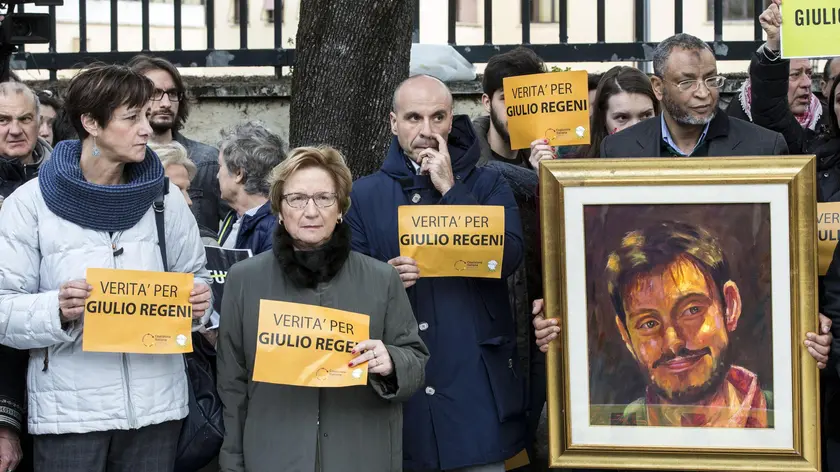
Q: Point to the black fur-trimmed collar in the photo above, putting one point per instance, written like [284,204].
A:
[309,268]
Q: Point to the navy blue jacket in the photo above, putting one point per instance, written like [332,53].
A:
[256,232]
[471,410]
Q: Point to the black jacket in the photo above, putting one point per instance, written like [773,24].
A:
[726,137]
[208,207]
[13,365]
[770,108]
[524,285]
[828,170]
[13,174]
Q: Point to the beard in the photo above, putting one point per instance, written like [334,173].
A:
[499,126]
[683,116]
[162,123]
[697,393]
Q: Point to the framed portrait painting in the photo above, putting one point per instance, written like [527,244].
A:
[683,289]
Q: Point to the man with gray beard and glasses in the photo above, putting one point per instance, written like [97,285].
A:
[687,83]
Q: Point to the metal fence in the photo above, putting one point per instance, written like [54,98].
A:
[563,51]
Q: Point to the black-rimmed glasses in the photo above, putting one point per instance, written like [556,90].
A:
[173,95]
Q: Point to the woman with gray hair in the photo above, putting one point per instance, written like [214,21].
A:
[247,154]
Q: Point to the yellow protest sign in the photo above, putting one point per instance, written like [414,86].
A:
[134,311]
[552,106]
[309,346]
[517,461]
[806,27]
[828,224]
[454,240]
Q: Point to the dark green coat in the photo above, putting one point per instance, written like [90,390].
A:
[284,428]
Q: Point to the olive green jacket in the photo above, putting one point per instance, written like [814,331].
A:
[285,428]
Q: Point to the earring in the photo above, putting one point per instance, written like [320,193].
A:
[340,219]
[96,151]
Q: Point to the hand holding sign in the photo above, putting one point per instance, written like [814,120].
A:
[200,299]
[71,299]
[438,165]
[408,270]
[771,22]
[374,352]
[540,150]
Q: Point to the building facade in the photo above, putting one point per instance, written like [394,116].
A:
[433,15]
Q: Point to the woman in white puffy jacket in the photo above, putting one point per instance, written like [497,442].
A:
[91,207]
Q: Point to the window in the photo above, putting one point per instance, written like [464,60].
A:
[466,11]
[236,12]
[183,2]
[77,42]
[545,11]
[733,10]
[268,11]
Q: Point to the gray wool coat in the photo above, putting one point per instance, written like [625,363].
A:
[271,427]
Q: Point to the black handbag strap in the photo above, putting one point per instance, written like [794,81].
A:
[159,206]
[161,229]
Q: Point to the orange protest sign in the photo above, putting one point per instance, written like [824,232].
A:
[454,240]
[134,311]
[309,346]
[552,106]
[517,461]
[828,224]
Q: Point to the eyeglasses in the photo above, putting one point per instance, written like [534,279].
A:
[715,82]
[300,200]
[173,95]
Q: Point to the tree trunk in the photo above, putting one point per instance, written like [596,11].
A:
[349,57]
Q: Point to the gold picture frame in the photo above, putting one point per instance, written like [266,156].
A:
[560,180]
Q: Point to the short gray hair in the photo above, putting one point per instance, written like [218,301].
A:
[19,88]
[682,41]
[252,149]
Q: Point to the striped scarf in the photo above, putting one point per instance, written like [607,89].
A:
[93,206]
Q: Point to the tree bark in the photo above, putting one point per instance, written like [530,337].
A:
[349,57]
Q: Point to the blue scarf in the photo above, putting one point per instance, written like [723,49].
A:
[98,207]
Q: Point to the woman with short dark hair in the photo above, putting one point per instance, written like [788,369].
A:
[91,207]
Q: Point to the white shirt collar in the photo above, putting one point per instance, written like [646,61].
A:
[253,211]
[416,166]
